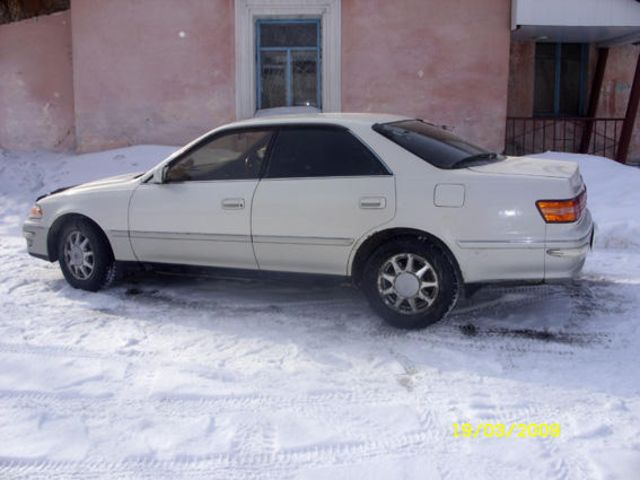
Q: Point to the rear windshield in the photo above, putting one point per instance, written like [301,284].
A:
[435,145]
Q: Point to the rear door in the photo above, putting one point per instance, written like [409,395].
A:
[323,189]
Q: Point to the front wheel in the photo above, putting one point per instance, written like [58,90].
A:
[411,283]
[85,257]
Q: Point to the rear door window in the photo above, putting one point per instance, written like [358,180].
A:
[321,152]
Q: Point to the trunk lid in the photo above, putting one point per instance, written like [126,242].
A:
[536,167]
[529,166]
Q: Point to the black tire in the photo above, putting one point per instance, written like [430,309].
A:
[438,300]
[103,267]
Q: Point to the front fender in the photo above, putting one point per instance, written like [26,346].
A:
[108,209]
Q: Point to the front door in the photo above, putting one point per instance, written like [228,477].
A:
[200,214]
[323,190]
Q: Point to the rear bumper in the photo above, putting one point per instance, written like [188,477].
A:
[567,247]
[36,237]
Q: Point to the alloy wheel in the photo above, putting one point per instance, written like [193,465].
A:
[407,283]
[79,255]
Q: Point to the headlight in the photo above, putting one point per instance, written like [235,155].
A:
[36,211]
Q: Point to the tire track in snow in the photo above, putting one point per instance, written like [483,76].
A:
[51,351]
[557,466]
[212,465]
[446,335]
[190,405]
[254,438]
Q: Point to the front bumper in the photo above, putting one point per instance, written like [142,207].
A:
[36,237]
[567,248]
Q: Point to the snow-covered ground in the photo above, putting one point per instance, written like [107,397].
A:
[170,377]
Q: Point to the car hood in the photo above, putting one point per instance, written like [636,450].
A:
[115,180]
[109,181]
[538,167]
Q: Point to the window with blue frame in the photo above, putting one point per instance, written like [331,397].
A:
[288,63]
[560,79]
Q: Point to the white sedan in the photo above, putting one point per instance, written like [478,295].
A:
[412,213]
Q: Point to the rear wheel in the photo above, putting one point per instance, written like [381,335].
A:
[85,256]
[411,283]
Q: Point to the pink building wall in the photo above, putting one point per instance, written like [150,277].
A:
[144,83]
[444,61]
[137,80]
[521,79]
[155,71]
[150,71]
[36,86]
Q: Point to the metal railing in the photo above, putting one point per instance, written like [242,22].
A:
[596,136]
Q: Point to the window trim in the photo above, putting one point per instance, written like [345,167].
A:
[247,11]
[320,126]
[288,74]
[275,129]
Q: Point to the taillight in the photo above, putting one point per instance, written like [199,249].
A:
[563,211]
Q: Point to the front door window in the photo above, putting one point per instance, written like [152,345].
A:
[232,156]
[288,57]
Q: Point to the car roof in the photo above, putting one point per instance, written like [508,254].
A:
[344,119]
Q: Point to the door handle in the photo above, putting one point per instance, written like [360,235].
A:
[233,203]
[373,202]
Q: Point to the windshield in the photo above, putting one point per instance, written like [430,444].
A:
[435,145]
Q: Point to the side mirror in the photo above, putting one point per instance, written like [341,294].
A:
[158,175]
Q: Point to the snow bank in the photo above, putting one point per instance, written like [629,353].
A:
[25,176]
[613,198]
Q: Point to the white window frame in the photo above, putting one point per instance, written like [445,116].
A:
[246,14]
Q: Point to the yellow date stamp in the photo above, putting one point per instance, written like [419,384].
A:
[501,430]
